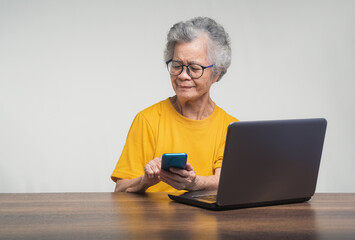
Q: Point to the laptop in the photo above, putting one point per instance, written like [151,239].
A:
[265,163]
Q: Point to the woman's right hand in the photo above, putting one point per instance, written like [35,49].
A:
[152,172]
[150,177]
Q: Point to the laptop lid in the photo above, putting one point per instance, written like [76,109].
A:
[271,161]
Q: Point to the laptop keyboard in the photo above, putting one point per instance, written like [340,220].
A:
[212,198]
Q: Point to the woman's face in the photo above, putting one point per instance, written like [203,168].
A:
[185,87]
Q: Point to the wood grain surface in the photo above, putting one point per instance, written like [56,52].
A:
[154,216]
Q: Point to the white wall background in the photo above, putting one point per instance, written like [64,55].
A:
[74,73]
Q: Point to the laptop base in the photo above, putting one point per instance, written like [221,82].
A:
[214,206]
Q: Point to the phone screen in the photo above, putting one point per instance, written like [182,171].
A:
[177,160]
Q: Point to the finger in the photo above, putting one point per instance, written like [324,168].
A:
[170,182]
[189,167]
[157,160]
[173,183]
[172,177]
[179,171]
[164,176]
[149,171]
[156,171]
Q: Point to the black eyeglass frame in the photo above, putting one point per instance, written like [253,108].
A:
[187,68]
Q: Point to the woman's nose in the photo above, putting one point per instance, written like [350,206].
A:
[184,74]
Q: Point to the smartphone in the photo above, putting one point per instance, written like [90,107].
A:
[177,160]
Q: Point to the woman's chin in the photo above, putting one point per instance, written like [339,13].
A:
[185,96]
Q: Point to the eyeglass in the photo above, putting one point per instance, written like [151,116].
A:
[194,70]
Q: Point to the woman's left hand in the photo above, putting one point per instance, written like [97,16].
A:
[180,179]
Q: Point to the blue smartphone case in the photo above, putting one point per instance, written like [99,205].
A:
[177,160]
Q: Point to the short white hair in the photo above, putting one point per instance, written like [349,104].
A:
[218,52]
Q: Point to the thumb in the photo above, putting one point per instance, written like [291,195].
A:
[189,167]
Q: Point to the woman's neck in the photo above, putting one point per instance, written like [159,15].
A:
[193,109]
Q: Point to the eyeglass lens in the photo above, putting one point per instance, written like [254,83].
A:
[176,68]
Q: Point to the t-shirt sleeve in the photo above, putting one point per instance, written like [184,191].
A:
[137,151]
[219,158]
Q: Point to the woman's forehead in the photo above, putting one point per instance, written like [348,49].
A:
[194,51]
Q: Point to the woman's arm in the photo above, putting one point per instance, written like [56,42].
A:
[130,185]
[209,182]
[150,177]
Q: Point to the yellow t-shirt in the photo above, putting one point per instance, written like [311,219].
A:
[161,129]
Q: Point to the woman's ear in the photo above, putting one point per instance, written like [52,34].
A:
[215,78]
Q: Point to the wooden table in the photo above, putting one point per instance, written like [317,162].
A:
[154,216]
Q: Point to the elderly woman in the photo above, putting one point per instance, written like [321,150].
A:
[197,55]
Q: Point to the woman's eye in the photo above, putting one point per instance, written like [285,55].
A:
[195,68]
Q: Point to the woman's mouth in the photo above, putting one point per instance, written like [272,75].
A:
[185,87]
